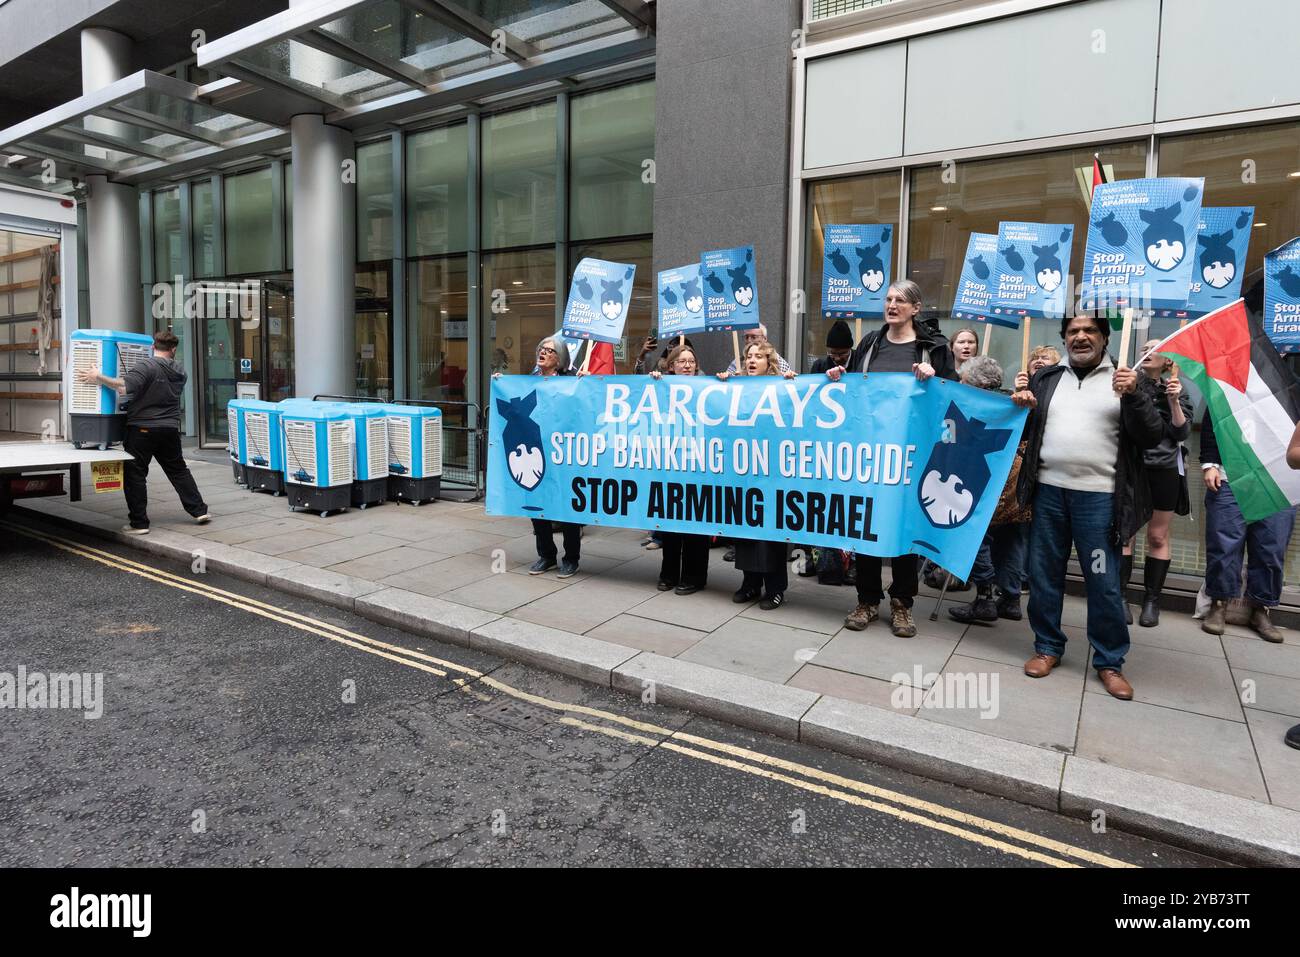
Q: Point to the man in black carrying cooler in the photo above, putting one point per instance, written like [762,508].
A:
[153,390]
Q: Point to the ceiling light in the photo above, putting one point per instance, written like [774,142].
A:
[1257,225]
[938,209]
[517,282]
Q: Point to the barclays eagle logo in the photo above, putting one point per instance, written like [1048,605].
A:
[522,440]
[957,474]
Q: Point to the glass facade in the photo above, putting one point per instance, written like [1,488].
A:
[203,224]
[167,234]
[249,221]
[519,177]
[611,167]
[946,203]
[437,191]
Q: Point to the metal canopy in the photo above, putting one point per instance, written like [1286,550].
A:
[144,126]
[355,59]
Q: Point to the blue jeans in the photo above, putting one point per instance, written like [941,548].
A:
[1227,536]
[1001,560]
[1065,518]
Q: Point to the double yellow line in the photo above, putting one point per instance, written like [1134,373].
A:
[938,817]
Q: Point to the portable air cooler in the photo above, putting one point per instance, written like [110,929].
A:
[414,453]
[318,441]
[370,451]
[258,443]
[96,415]
[232,443]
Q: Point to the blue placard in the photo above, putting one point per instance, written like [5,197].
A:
[1221,242]
[1282,296]
[1141,244]
[974,289]
[856,270]
[881,465]
[1032,275]
[681,301]
[598,300]
[730,289]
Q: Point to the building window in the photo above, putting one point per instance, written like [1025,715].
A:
[203,229]
[611,139]
[250,214]
[167,235]
[374,323]
[1040,188]
[437,191]
[866,200]
[518,177]
[641,307]
[288,215]
[518,307]
[375,201]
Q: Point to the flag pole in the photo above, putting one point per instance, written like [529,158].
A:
[586,359]
[1173,370]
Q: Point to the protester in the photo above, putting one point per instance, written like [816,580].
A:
[1083,474]
[685,565]
[153,389]
[1001,557]
[1228,535]
[965,345]
[1166,480]
[553,359]
[763,563]
[839,346]
[752,336]
[644,365]
[1292,737]
[1041,357]
[902,344]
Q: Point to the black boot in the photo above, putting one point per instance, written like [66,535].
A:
[1154,574]
[1125,573]
[982,611]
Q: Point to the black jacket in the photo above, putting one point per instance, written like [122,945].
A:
[1209,444]
[926,341]
[153,393]
[1140,428]
[1166,454]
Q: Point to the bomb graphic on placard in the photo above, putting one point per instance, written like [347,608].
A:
[839,262]
[870,269]
[522,440]
[1047,267]
[691,294]
[1163,239]
[1289,281]
[1218,261]
[957,473]
[1112,230]
[979,267]
[714,282]
[742,287]
[1012,255]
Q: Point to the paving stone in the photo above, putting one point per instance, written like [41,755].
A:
[1255,654]
[757,648]
[1018,771]
[648,635]
[322,585]
[1176,679]
[1279,762]
[876,653]
[1014,645]
[706,610]
[850,687]
[457,541]
[502,593]
[1222,824]
[1176,633]
[1270,693]
[1001,700]
[1170,744]
[344,549]
[288,542]
[391,561]
[587,604]
[587,658]
[712,692]
[810,612]
[441,576]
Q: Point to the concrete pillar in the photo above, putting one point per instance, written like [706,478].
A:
[324,258]
[112,209]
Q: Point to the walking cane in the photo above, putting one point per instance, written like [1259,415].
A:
[947,580]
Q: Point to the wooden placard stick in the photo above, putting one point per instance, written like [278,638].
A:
[586,359]
[1024,346]
[1125,338]
[857,330]
[988,337]
[735,347]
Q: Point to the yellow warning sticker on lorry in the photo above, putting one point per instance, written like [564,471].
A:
[108,476]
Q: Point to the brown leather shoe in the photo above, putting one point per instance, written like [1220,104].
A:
[1263,626]
[1214,618]
[1116,684]
[1041,665]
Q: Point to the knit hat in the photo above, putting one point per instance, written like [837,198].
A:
[839,336]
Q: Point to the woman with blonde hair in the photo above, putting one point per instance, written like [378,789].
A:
[684,568]
[965,345]
[763,563]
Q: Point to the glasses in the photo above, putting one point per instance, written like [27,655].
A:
[546,350]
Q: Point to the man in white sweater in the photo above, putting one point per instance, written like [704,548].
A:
[1083,472]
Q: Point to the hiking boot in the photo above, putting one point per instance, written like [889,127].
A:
[860,617]
[1009,608]
[983,610]
[1262,626]
[900,619]
[1213,623]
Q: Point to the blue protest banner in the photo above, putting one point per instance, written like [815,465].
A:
[681,301]
[730,293]
[1282,296]
[1221,242]
[856,270]
[974,290]
[1140,244]
[1032,268]
[598,300]
[881,464]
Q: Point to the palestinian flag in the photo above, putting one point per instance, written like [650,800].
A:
[1098,172]
[1253,400]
